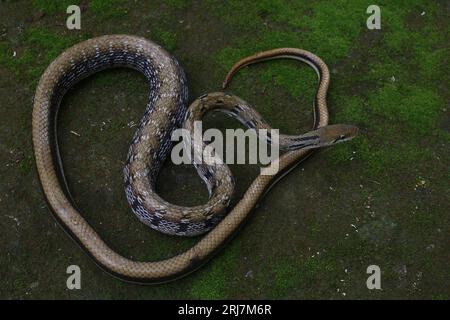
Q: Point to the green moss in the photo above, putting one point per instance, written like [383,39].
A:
[50,40]
[41,46]
[327,28]
[214,279]
[106,9]
[298,274]
[443,296]
[26,164]
[167,39]
[400,37]
[385,69]
[245,16]
[6,55]
[54,7]
[352,109]
[130,80]
[432,64]
[380,157]
[424,221]
[102,9]
[178,4]
[285,271]
[414,106]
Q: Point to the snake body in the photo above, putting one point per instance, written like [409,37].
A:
[166,110]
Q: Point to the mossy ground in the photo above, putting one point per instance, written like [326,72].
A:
[381,199]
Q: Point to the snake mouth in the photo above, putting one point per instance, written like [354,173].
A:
[348,133]
[339,139]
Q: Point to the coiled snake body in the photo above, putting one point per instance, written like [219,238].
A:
[166,110]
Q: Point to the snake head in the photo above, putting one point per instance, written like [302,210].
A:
[335,133]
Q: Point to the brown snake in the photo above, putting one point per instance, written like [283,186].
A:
[166,110]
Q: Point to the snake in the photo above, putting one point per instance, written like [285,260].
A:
[167,109]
